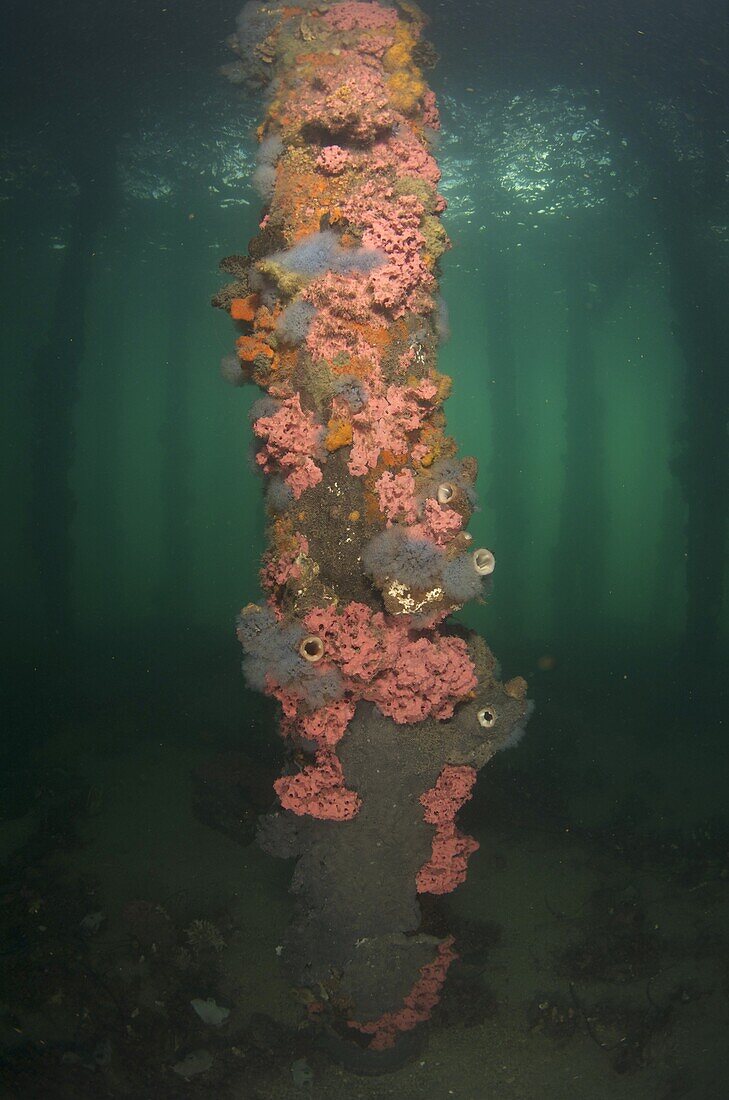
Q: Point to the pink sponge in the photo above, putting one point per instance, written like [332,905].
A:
[440,523]
[354,15]
[278,570]
[406,155]
[350,98]
[453,787]
[408,678]
[292,439]
[417,1006]
[448,862]
[327,725]
[318,790]
[430,110]
[394,229]
[332,160]
[447,866]
[396,493]
[359,640]
[427,678]
[343,303]
[383,423]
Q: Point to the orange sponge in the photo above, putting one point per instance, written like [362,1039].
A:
[249,347]
[244,309]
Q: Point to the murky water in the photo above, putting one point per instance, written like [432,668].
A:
[585,155]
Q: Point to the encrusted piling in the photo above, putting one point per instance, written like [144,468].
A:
[387,709]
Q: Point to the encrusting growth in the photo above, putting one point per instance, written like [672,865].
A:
[387,709]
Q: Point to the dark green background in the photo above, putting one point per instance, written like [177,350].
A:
[588,351]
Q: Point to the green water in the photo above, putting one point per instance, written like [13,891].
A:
[585,158]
